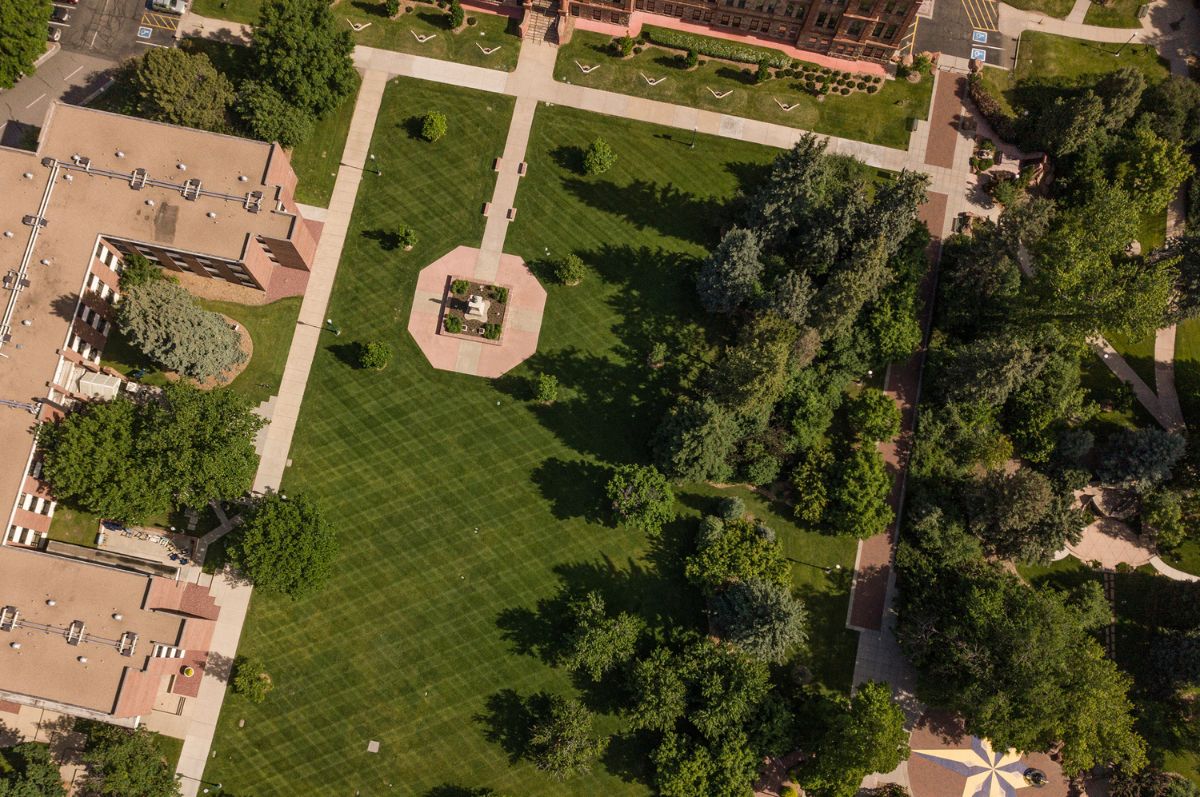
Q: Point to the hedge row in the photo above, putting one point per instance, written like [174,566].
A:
[1004,125]
[716,48]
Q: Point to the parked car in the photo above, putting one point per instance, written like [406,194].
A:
[55,34]
[60,15]
[170,6]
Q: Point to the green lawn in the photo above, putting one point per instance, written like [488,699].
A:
[1114,14]
[1119,407]
[74,526]
[489,30]
[880,118]
[270,327]
[1186,557]
[1138,353]
[464,46]
[235,10]
[1045,56]
[1057,60]
[463,506]
[316,160]
[1187,369]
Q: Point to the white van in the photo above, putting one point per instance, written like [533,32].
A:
[170,6]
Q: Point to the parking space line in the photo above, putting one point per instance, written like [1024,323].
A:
[35,102]
[73,71]
[159,21]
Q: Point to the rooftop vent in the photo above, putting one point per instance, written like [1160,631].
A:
[8,618]
[51,602]
[150,202]
[68,178]
[120,154]
[45,261]
[28,175]
[8,233]
[243,178]
[15,645]
[181,167]
[75,632]
[191,189]
[82,659]
[118,617]
[254,201]
[212,214]
[137,179]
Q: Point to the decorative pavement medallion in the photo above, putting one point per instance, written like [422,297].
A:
[989,773]
[947,761]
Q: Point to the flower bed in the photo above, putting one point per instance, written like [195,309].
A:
[455,305]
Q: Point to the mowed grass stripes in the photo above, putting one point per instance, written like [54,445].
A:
[459,502]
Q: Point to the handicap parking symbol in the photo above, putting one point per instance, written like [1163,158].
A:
[978,55]
[979,36]
[145,33]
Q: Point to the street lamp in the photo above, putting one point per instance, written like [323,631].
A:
[329,325]
[693,144]
[376,166]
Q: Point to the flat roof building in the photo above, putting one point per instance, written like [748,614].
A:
[94,641]
[99,187]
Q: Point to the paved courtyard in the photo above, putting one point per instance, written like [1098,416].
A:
[522,322]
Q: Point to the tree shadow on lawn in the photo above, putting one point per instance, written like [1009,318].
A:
[439,21]
[388,240]
[568,157]
[744,76]
[374,9]
[506,719]
[627,756]
[413,126]
[575,489]
[665,208]
[454,790]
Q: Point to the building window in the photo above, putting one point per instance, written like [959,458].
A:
[596,14]
[855,28]
[878,30]
[866,8]
[891,31]
[737,22]
[754,24]
[821,19]
[890,7]
[724,20]
[695,14]
[668,9]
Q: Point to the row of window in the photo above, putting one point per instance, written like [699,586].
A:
[36,504]
[93,319]
[825,20]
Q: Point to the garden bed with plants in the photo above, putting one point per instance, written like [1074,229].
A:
[456,319]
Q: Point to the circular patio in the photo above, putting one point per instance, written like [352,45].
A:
[526,301]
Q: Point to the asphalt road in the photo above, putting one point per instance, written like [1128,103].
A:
[116,29]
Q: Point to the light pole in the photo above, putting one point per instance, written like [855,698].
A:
[378,170]
[329,325]
[1117,54]
[693,144]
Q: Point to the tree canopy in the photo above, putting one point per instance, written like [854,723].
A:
[763,618]
[33,773]
[129,461]
[168,325]
[286,545]
[301,51]
[735,550]
[868,735]
[22,37]
[127,763]
[599,643]
[560,739]
[641,496]
[181,88]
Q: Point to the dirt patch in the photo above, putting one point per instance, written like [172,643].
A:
[219,290]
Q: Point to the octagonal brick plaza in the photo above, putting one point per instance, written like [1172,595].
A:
[522,320]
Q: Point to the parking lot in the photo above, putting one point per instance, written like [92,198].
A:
[965,30]
[115,29]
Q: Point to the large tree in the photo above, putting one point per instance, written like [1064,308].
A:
[164,321]
[1019,663]
[1020,516]
[735,550]
[22,37]
[560,738]
[302,51]
[33,774]
[181,88]
[641,496]
[868,735]
[859,500]
[1140,458]
[125,763]
[731,277]
[1173,109]
[287,545]
[695,440]
[763,618]
[873,416]
[129,461]
[599,643]
[270,117]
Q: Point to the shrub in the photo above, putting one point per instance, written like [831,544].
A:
[860,85]
[715,48]
[250,679]
[456,14]
[374,354]
[872,89]
[981,164]
[407,237]
[989,106]
[491,331]
[637,50]
[845,90]
[599,158]
[453,324]
[471,20]
[1005,189]
[546,389]
[692,58]
[624,45]
[433,126]
[569,270]
[500,294]
[168,325]
[731,508]
[788,791]
[460,286]
[392,7]
[763,73]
